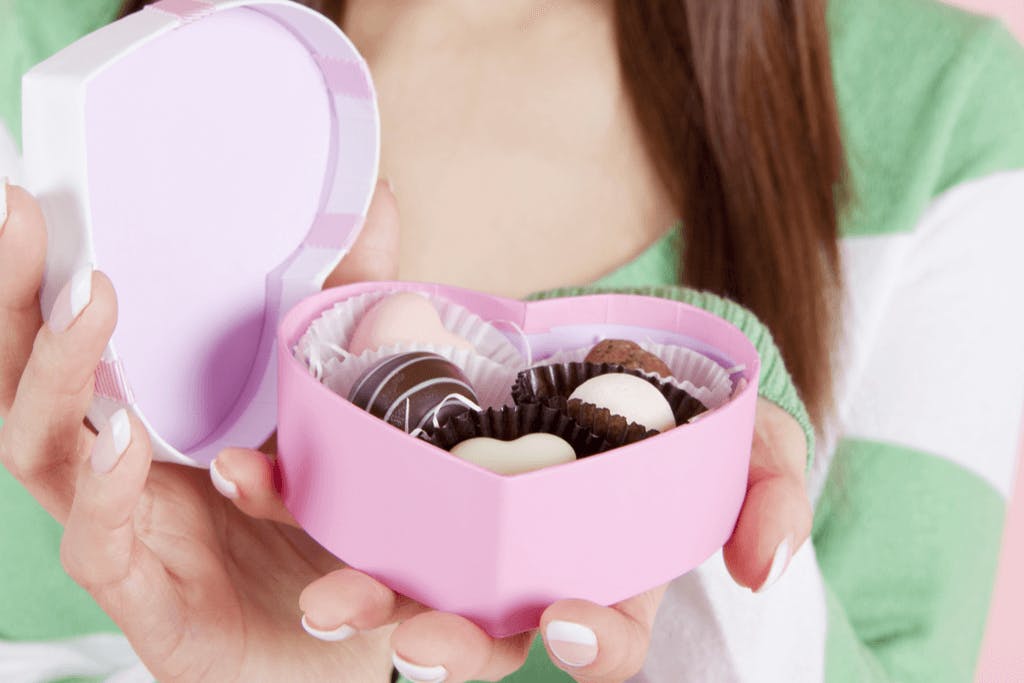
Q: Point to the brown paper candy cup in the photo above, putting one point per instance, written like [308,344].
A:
[545,382]
[508,423]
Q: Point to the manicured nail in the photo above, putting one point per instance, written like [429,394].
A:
[111,443]
[71,301]
[343,632]
[573,644]
[783,553]
[226,487]
[3,203]
[417,673]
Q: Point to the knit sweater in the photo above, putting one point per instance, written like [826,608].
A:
[910,485]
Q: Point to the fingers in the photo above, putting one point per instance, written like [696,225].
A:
[246,478]
[347,601]
[776,516]
[435,646]
[22,259]
[596,644]
[101,548]
[99,536]
[43,438]
[375,254]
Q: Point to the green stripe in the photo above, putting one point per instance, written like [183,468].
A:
[847,660]
[38,601]
[909,543]
[31,31]
[929,97]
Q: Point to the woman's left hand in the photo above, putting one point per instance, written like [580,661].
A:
[594,644]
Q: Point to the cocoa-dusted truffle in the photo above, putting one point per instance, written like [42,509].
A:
[411,389]
[629,355]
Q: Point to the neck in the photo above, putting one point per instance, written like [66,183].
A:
[378,27]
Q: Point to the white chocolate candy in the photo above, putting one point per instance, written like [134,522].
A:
[402,318]
[633,398]
[530,452]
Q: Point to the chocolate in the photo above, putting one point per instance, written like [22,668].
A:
[508,423]
[553,384]
[525,454]
[402,318]
[629,355]
[413,390]
[628,396]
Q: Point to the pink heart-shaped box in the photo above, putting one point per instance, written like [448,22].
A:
[500,549]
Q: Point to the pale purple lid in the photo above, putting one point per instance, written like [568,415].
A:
[230,152]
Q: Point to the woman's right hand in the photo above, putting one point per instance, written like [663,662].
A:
[202,591]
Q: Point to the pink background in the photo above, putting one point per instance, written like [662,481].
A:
[1002,657]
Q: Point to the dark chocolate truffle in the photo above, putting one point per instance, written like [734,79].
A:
[411,389]
[627,354]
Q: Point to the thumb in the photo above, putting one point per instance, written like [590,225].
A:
[374,256]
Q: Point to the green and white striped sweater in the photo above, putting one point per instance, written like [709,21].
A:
[910,486]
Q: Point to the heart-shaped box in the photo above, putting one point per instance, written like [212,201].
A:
[499,549]
[216,160]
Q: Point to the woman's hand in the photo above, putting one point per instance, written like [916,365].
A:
[202,591]
[594,644]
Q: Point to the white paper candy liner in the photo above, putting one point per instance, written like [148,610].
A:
[693,372]
[328,336]
[490,380]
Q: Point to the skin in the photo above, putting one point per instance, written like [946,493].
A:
[208,587]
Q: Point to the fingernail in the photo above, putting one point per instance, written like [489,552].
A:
[417,673]
[573,644]
[783,553]
[343,632]
[111,443]
[71,301]
[3,203]
[225,486]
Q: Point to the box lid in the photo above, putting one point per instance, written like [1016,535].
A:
[216,159]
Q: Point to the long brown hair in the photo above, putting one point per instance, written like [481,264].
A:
[736,104]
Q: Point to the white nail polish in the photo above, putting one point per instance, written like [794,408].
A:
[71,300]
[3,202]
[81,291]
[343,632]
[225,486]
[121,430]
[573,644]
[783,553]
[417,673]
[111,443]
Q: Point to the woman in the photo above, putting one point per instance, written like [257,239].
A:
[600,124]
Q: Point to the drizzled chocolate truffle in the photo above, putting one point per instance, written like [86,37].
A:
[410,390]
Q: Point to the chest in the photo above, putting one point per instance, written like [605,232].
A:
[517,167]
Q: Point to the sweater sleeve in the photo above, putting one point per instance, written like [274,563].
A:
[908,527]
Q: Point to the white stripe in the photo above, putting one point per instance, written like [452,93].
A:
[710,629]
[419,387]
[937,357]
[387,378]
[99,655]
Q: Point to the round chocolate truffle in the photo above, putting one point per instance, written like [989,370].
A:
[411,389]
[627,354]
